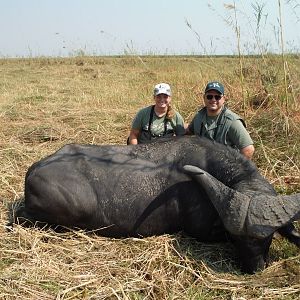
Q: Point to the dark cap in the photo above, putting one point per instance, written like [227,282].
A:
[215,85]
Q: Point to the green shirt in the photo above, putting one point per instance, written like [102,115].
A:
[141,122]
[227,128]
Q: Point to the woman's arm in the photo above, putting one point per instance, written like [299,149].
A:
[133,136]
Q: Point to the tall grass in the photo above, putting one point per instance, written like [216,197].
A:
[249,29]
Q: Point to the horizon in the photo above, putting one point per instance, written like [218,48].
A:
[292,54]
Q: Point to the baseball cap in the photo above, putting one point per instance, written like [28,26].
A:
[162,88]
[215,85]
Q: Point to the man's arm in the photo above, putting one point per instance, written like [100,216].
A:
[241,138]
[248,151]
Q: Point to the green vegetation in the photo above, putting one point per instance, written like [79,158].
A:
[48,102]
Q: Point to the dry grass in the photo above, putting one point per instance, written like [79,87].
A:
[75,265]
[46,103]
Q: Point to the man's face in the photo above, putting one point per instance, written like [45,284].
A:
[213,100]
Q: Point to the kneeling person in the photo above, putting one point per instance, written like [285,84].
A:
[158,120]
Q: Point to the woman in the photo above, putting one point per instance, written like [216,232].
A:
[158,120]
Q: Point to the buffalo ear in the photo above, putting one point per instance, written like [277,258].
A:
[272,212]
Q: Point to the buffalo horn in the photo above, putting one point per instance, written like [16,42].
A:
[232,206]
[258,216]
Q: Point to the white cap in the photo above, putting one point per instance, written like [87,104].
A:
[162,88]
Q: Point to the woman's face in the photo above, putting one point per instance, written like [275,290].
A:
[162,100]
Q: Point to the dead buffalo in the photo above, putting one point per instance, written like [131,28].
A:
[191,184]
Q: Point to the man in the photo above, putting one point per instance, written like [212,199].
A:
[219,123]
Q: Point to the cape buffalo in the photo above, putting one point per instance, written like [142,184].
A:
[186,183]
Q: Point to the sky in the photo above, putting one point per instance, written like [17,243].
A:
[33,28]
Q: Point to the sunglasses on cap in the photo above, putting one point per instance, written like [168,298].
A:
[210,97]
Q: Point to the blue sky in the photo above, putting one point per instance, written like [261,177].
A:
[110,27]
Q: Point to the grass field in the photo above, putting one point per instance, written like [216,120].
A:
[48,102]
